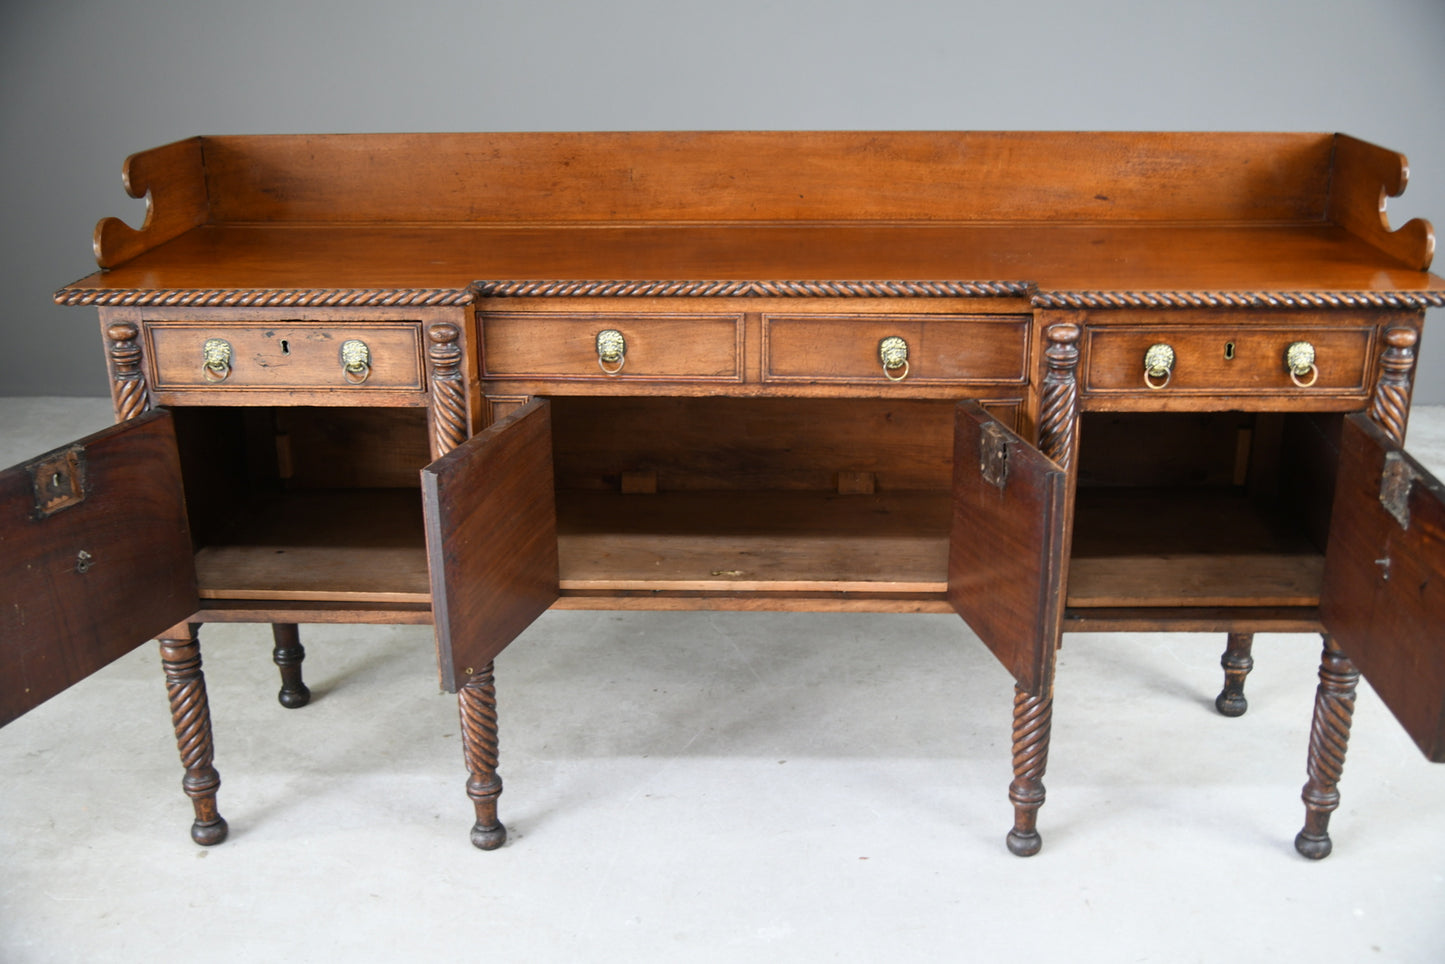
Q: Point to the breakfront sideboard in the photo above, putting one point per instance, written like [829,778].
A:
[1048,381]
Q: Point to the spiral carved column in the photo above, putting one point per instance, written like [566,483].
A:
[191,715]
[1033,713]
[1059,410]
[1390,406]
[478,700]
[448,389]
[1329,739]
[127,380]
[1237,661]
[288,655]
[1033,718]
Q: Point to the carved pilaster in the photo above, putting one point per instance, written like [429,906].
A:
[478,702]
[448,389]
[127,380]
[1059,408]
[1237,661]
[1329,739]
[1033,720]
[191,715]
[1390,406]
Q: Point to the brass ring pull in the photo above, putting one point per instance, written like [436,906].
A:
[611,351]
[1299,359]
[1158,364]
[355,361]
[215,359]
[893,354]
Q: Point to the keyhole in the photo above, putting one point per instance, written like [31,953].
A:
[1228,350]
[285,347]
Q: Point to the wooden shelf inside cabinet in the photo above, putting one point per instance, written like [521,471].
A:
[322,545]
[1188,547]
[368,545]
[753,542]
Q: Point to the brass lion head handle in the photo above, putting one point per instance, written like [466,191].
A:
[893,354]
[1299,359]
[1158,365]
[216,359]
[611,351]
[355,361]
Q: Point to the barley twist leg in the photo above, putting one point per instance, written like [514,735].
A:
[191,715]
[478,701]
[1033,717]
[1329,739]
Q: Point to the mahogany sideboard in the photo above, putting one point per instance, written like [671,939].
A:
[1050,381]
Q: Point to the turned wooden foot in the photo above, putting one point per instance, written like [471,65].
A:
[1237,662]
[288,655]
[1033,716]
[478,701]
[1329,739]
[191,715]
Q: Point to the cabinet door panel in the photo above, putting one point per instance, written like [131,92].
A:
[1008,545]
[1384,583]
[491,534]
[97,558]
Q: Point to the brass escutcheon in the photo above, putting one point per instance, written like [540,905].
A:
[355,361]
[216,359]
[1299,359]
[1158,364]
[611,350]
[893,353]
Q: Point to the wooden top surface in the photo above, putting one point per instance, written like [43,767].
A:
[1062,217]
[1053,259]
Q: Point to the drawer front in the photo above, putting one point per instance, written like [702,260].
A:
[939,350]
[651,347]
[285,356]
[1222,359]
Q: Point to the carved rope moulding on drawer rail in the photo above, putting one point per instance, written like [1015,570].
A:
[1238,299]
[752,289]
[267,297]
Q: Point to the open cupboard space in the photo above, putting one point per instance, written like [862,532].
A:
[306,504]
[763,503]
[1220,509]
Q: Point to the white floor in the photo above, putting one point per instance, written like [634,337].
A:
[711,787]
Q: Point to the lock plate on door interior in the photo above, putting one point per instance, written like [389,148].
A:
[58,481]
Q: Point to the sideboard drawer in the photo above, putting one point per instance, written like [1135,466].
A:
[925,349]
[592,347]
[1245,360]
[197,355]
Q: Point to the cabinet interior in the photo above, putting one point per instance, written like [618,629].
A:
[1219,509]
[315,504]
[787,502]
[740,495]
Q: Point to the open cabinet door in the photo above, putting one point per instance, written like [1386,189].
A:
[1383,599]
[491,535]
[1008,545]
[96,555]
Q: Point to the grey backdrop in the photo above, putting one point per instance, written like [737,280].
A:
[83,83]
